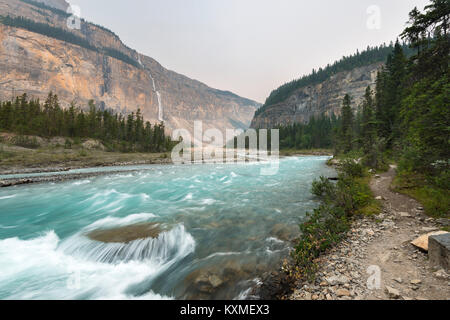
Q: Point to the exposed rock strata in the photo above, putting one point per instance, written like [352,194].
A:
[323,98]
[36,64]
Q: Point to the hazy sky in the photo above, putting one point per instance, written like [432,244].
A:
[249,47]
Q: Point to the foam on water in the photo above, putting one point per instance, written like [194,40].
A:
[7,197]
[79,268]
[164,250]
[111,221]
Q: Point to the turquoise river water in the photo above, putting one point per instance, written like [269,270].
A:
[224,226]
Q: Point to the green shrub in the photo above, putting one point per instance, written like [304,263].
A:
[352,194]
[325,227]
[410,160]
[83,153]
[76,141]
[110,146]
[328,224]
[443,180]
[432,192]
[351,168]
[376,156]
[26,142]
[323,188]
[68,144]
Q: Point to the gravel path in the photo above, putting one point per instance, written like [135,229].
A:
[377,261]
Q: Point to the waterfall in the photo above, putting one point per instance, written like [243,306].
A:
[153,80]
[160,107]
[158,94]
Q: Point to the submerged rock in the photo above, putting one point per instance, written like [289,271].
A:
[127,234]
[207,283]
[284,232]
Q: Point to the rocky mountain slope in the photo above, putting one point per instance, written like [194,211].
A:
[323,98]
[107,71]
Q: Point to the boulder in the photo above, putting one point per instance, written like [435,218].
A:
[441,275]
[284,232]
[392,292]
[215,281]
[343,293]
[126,234]
[93,144]
[439,250]
[335,280]
[404,214]
[422,241]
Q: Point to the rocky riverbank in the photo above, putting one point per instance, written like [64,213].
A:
[57,178]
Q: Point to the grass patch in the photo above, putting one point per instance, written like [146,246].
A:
[48,157]
[435,200]
[26,142]
[5,154]
[371,207]
[83,153]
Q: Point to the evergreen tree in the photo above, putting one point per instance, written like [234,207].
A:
[29,117]
[346,133]
[368,126]
[390,91]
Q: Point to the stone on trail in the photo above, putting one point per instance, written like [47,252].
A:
[343,293]
[441,275]
[335,280]
[392,292]
[399,280]
[404,214]
[429,229]
[422,241]
[439,250]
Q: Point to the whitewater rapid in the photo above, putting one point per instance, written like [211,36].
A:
[80,268]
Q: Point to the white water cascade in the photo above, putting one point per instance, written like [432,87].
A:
[160,107]
[158,94]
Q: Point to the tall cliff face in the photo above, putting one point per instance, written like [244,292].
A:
[323,98]
[36,64]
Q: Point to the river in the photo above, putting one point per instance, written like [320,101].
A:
[221,227]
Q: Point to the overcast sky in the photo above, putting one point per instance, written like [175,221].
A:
[249,47]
